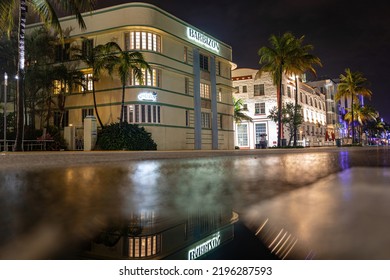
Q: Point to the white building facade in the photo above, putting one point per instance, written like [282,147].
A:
[185,103]
[259,97]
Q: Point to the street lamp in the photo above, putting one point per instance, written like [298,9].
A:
[5,110]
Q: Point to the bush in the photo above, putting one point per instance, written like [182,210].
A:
[125,137]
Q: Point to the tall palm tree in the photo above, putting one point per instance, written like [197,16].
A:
[46,11]
[278,59]
[361,114]
[128,63]
[351,86]
[302,62]
[68,78]
[98,59]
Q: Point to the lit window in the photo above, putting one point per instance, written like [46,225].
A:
[87,82]
[204,91]
[142,40]
[144,113]
[148,78]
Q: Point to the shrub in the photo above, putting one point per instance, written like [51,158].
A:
[125,137]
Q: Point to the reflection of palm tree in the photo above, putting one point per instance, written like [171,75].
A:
[351,85]
[48,15]
[239,115]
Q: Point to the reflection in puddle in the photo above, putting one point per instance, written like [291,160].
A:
[147,236]
[155,208]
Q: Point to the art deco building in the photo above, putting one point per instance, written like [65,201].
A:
[185,102]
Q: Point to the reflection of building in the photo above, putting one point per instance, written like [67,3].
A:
[147,236]
[259,97]
[185,102]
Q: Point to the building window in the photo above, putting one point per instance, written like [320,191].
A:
[259,90]
[86,47]
[152,78]
[87,82]
[219,95]
[141,40]
[144,246]
[142,113]
[307,102]
[244,89]
[204,62]
[86,112]
[236,89]
[206,120]
[205,91]
[186,85]
[58,86]
[288,91]
[220,121]
[219,68]
[242,134]
[259,108]
[245,107]
[62,52]
[261,130]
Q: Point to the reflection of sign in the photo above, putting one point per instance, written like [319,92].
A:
[202,39]
[147,96]
[205,247]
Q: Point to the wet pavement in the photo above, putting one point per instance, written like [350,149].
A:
[325,203]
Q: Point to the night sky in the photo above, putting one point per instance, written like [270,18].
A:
[344,33]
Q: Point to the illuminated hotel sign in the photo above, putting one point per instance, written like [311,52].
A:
[147,96]
[205,247]
[202,39]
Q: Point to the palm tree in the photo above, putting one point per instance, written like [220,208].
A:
[302,62]
[98,58]
[239,115]
[46,11]
[278,59]
[68,79]
[128,63]
[352,85]
[363,115]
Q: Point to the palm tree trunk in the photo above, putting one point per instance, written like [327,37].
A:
[295,111]
[279,100]
[95,105]
[20,94]
[353,122]
[122,105]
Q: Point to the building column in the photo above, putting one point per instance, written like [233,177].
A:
[197,101]
[214,110]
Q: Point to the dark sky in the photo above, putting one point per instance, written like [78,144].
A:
[344,33]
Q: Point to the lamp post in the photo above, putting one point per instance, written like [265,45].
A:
[5,110]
